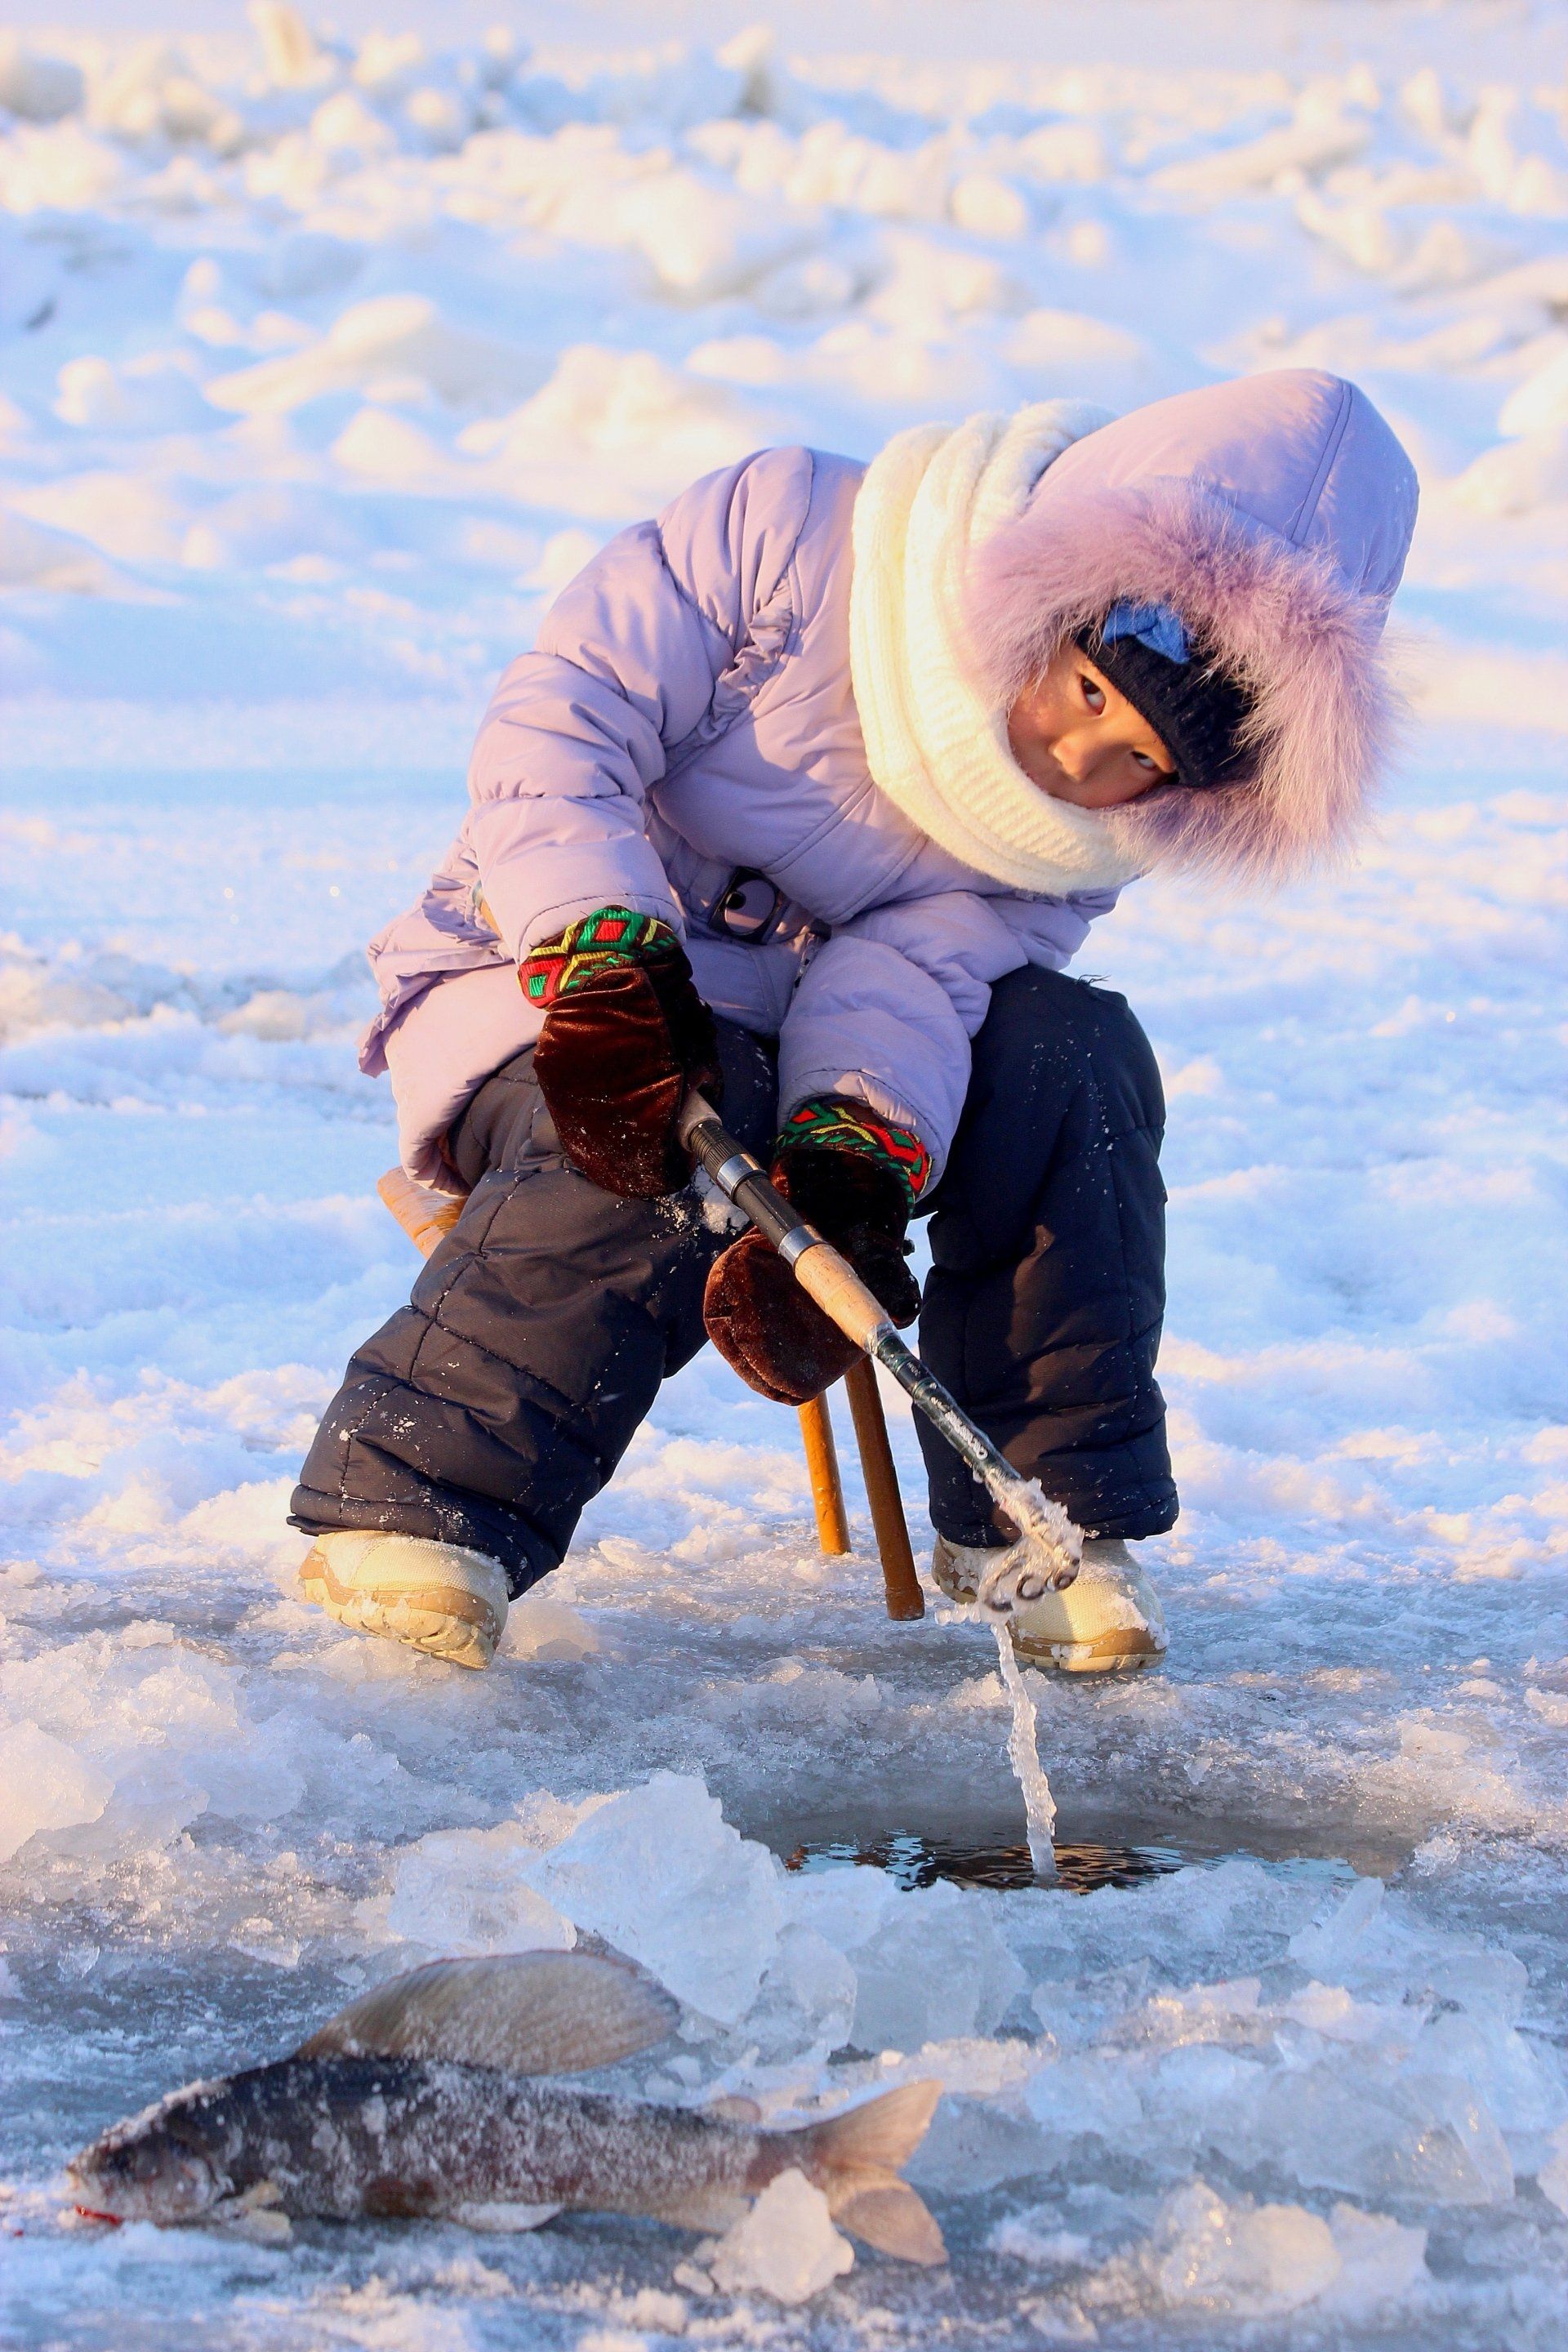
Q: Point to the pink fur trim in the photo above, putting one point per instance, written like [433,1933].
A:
[1303,641]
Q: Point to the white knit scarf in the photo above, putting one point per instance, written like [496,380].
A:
[936,744]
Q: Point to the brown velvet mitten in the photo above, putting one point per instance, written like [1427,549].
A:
[757,1315]
[625,1035]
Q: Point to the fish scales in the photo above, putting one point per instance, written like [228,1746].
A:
[349,2139]
[423,2098]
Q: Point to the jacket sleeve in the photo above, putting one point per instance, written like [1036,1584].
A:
[887,1006]
[629,660]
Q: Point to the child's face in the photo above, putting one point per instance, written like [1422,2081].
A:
[1081,741]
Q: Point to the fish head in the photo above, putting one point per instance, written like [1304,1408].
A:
[154,2168]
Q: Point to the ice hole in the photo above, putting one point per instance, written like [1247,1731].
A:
[990,1850]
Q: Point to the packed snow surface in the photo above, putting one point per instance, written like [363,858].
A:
[323,361]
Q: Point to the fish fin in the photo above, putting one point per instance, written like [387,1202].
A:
[256,2215]
[525,2012]
[879,2136]
[854,2157]
[733,2107]
[889,2215]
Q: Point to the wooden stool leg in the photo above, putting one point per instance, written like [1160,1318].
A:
[905,1598]
[827,1486]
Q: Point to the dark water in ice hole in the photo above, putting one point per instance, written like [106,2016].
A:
[1089,1855]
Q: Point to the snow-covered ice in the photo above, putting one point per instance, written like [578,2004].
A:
[324,358]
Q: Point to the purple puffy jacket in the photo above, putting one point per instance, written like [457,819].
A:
[686,715]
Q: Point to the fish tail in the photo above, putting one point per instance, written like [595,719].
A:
[855,2158]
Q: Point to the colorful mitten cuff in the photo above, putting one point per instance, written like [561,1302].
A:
[835,1123]
[605,940]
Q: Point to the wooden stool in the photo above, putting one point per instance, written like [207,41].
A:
[899,1583]
[428,1217]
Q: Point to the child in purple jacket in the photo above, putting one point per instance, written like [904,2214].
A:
[806,794]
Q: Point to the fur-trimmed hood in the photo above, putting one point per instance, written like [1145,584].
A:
[1274,514]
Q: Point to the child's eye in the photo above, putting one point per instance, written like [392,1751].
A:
[1093,694]
[1150,767]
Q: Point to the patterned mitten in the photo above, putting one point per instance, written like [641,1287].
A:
[855,1177]
[625,1035]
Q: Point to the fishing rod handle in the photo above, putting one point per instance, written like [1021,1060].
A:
[822,1273]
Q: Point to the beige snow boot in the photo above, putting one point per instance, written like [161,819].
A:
[437,1597]
[1108,1621]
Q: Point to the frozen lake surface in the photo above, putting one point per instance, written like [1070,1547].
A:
[321,367]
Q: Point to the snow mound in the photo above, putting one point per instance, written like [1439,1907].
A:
[1541,402]
[611,429]
[1518,475]
[117,1742]
[154,393]
[394,346]
[52,560]
[37,88]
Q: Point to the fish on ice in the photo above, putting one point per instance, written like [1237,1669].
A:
[425,2099]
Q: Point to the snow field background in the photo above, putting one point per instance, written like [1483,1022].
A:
[321,365]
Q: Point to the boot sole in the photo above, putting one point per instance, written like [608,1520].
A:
[1110,1654]
[439,1620]
[948,1584]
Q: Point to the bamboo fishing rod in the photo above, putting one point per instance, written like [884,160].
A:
[1047,1554]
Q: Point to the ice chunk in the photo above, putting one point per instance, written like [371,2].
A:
[1380,2260]
[1327,1943]
[931,1963]
[1255,2261]
[937,1969]
[661,1875]
[464,1893]
[982,2135]
[1259,2261]
[541,1628]
[808,1998]
[1518,2079]
[786,2246]
[1378,2131]
[47,1786]
[1094,2093]
[1552,2178]
[1377,1947]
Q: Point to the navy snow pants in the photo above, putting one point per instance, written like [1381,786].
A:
[491,1409]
